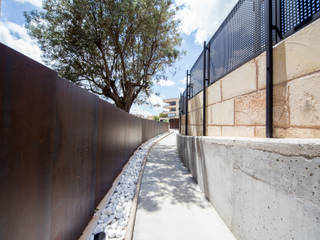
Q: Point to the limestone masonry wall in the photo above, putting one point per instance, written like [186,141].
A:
[236,104]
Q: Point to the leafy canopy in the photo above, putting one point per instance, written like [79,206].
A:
[163,115]
[114,48]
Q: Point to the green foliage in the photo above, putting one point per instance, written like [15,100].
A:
[163,115]
[156,118]
[113,48]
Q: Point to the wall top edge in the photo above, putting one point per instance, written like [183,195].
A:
[308,148]
[262,140]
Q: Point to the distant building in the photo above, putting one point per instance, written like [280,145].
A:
[172,112]
[173,107]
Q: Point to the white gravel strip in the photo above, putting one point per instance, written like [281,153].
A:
[114,218]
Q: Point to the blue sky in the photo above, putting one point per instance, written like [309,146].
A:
[200,19]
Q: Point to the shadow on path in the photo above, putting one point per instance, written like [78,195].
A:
[171,205]
[166,179]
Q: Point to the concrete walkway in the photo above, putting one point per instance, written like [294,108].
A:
[171,205]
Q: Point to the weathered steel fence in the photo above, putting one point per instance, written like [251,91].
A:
[61,147]
[174,123]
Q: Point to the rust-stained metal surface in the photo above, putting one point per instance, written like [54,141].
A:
[60,150]
[174,123]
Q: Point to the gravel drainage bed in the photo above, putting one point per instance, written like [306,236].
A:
[114,220]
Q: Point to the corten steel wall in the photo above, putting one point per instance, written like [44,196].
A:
[174,123]
[60,150]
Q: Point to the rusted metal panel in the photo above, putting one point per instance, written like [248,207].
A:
[73,170]
[27,108]
[60,150]
[112,150]
[174,123]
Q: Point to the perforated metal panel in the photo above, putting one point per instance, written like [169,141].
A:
[182,103]
[295,13]
[240,38]
[196,77]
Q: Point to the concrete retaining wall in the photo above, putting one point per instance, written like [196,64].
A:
[262,188]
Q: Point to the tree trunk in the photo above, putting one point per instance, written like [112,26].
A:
[124,106]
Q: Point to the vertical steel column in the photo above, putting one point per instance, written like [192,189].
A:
[204,90]
[269,68]
[187,96]
[180,114]
[206,77]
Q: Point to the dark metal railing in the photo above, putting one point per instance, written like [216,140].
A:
[252,27]
[295,14]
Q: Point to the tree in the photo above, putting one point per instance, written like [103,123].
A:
[116,49]
[156,118]
[163,115]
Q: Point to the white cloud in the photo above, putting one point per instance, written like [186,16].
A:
[183,81]
[156,100]
[16,37]
[139,110]
[37,3]
[203,16]
[166,83]
[155,107]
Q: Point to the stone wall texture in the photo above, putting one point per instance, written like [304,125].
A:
[262,188]
[236,104]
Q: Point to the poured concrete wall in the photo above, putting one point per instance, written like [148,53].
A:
[262,188]
[236,104]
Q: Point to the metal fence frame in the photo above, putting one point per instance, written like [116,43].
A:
[282,18]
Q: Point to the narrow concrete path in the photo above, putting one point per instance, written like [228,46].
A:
[171,205]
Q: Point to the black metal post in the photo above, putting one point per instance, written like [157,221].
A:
[204,89]
[180,114]
[269,69]
[187,96]
[208,70]
[206,80]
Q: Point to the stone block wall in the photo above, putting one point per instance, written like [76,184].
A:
[183,124]
[236,104]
